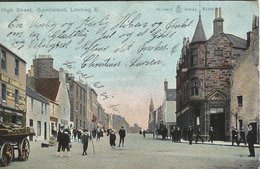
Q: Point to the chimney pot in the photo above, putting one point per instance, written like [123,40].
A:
[216,12]
[219,13]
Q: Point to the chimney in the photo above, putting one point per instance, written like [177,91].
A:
[218,21]
[165,85]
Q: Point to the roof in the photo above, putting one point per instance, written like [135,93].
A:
[33,94]
[12,53]
[199,34]
[237,41]
[171,95]
[47,87]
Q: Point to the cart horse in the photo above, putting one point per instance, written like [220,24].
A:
[14,137]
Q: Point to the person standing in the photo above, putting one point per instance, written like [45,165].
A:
[144,133]
[211,134]
[250,140]
[84,139]
[98,133]
[121,133]
[112,139]
[59,140]
[234,134]
[190,134]
[198,136]
[178,135]
[65,142]
[242,136]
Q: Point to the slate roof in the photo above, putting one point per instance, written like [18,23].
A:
[199,34]
[171,95]
[33,94]
[47,87]
[237,41]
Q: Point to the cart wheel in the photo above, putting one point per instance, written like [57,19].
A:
[24,149]
[6,155]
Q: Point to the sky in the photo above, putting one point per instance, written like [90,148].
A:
[124,50]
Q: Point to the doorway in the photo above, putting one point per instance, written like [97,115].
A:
[217,121]
[254,129]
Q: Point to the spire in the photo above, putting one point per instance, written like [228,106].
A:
[151,109]
[199,34]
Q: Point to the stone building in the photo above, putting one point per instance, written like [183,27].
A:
[204,78]
[245,85]
[79,101]
[12,86]
[169,106]
[50,83]
[37,115]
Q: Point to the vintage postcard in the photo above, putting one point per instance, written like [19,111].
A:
[129,84]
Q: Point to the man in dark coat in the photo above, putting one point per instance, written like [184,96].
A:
[234,136]
[84,139]
[112,139]
[190,134]
[198,136]
[242,136]
[122,136]
[250,140]
[178,134]
[66,142]
[60,137]
[211,134]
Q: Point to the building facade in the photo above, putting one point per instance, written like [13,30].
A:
[79,100]
[204,78]
[245,85]
[13,87]
[37,115]
[169,106]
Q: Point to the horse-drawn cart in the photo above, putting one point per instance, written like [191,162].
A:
[14,137]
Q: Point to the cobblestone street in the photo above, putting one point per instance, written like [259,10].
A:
[141,153]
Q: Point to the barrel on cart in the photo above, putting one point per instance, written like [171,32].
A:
[14,137]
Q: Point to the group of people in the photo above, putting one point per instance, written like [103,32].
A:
[112,137]
[238,137]
[63,139]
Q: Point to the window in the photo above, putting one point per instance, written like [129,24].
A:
[3,59]
[240,101]
[194,87]
[31,122]
[3,92]
[80,123]
[84,124]
[16,69]
[80,108]
[77,106]
[80,94]
[16,96]
[38,128]
[77,123]
[194,57]
[77,91]
[84,96]
[84,110]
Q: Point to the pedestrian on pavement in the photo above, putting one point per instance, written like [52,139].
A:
[190,134]
[98,133]
[75,134]
[65,143]
[122,134]
[79,135]
[242,136]
[250,140]
[84,139]
[112,139]
[211,134]
[198,136]
[234,134]
[144,133]
[59,140]
[178,134]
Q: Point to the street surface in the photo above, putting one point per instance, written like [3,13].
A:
[141,153]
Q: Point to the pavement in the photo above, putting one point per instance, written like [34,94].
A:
[142,153]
